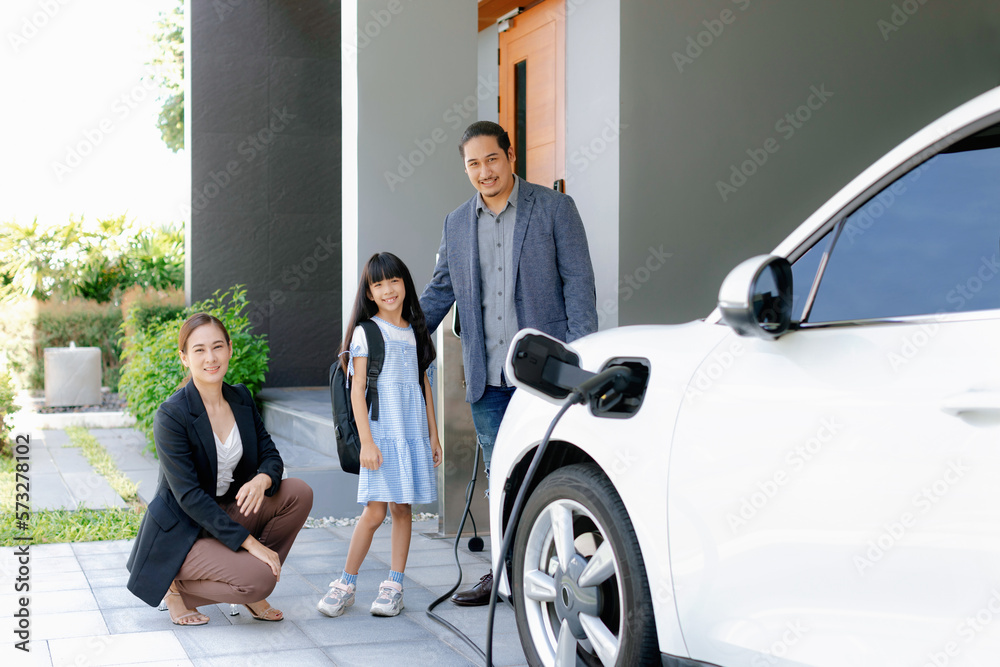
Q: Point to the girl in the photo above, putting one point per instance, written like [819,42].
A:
[397,449]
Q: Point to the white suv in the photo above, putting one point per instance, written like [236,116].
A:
[808,476]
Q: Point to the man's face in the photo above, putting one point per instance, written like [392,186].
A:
[489,168]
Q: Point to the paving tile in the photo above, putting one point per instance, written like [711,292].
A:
[161,648]
[440,575]
[54,602]
[60,581]
[116,597]
[398,652]
[40,551]
[55,438]
[104,578]
[313,657]
[307,535]
[145,618]
[328,547]
[70,459]
[437,558]
[305,565]
[293,584]
[216,639]
[56,564]
[357,626]
[98,548]
[296,608]
[37,655]
[49,492]
[68,624]
[507,651]
[91,490]
[110,561]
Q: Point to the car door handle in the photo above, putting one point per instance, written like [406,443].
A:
[972,401]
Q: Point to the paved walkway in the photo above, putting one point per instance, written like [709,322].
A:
[81,613]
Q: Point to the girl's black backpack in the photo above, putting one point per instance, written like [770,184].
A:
[348,440]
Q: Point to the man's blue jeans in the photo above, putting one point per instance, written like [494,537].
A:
[487,413]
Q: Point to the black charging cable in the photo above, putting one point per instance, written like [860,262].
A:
[606,380]
[458,537]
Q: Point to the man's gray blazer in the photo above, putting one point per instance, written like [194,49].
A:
[554,278]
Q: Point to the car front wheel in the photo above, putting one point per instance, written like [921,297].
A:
[579,582]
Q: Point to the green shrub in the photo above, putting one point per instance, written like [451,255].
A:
[152,367]
[7,410]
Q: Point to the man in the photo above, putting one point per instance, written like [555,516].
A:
[513,256]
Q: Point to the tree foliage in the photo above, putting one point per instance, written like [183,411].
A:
[168,60]
[97,261]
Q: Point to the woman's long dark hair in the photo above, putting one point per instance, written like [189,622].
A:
[383,266]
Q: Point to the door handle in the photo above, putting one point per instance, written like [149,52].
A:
[972,401]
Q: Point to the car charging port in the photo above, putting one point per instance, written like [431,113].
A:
[624,397]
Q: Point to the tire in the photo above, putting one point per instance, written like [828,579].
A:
[608,620]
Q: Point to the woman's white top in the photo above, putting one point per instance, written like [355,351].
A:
[229,452]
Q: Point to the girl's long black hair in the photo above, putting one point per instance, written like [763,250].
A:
[382,266]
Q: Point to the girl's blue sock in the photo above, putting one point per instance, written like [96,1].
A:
[396,576]
[349,578]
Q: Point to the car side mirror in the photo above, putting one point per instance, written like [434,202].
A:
[756,297]
[543,366]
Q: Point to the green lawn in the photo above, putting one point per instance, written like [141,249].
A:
[52,527]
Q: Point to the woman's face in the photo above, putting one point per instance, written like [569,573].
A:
[207,355]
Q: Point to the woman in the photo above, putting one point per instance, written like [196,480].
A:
[222,520]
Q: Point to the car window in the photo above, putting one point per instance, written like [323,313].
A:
[927,244]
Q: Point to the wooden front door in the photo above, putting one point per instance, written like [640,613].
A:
[532,91]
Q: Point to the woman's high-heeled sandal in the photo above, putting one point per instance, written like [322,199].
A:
[264,615]
[179,619]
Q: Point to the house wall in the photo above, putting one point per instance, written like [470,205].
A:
[410,89]
[263,124]
[704,82]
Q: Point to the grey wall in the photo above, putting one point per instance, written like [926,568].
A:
[689,124]
[414,90]
[264,132]
[593,132]
[489,43]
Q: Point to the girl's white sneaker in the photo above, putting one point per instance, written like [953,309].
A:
[390,599]
[337,599]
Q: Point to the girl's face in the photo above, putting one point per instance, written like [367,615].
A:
[207,355]
[388,295]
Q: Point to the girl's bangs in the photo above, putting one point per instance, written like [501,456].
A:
[383,268]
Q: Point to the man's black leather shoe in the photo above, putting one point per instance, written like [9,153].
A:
[477,595]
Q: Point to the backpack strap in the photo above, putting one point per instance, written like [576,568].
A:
[376,355]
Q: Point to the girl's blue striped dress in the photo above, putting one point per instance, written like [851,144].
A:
[407,475]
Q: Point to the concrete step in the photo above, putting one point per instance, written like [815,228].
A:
[302,416]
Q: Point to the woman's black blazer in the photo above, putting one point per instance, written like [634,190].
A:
[185,495]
